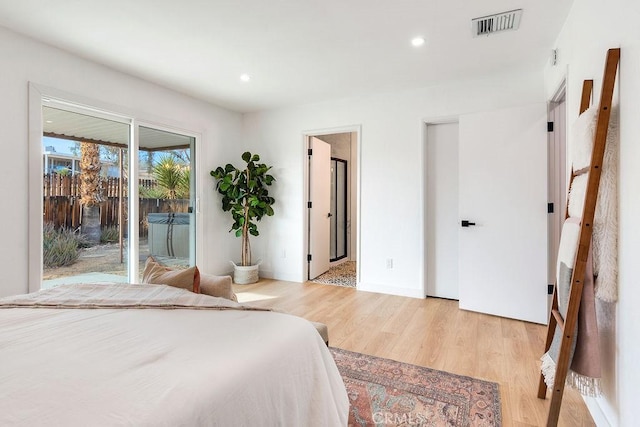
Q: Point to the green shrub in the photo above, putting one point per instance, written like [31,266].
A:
[110,235]
[151,193]
[82,240]
[59,247]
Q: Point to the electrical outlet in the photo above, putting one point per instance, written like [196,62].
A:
[389,263]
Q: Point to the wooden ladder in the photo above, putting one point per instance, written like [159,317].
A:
[568,324]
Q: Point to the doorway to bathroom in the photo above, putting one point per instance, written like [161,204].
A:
[332,207]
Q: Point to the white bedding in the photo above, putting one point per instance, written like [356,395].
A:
[165,367]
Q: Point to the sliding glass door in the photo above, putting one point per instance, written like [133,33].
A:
[166,197]
[84,205]
[113,193]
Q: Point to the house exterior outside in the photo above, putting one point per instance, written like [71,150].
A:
[55,162]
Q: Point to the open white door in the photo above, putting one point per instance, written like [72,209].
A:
[503,196]
[320,206]
[557,186]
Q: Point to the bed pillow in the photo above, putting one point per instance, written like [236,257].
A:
[217,286]
[158,274]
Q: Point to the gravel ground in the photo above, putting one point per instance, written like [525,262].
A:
[98,259]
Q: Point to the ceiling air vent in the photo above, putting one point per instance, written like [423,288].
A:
[505,21]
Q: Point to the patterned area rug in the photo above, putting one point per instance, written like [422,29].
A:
[384,392]
[342,275]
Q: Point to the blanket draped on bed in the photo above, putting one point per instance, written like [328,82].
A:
[602,271]
[120,295]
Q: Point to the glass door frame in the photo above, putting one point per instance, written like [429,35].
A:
[194,225]
[40,95]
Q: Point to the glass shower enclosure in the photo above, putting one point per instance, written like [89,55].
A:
[338,231]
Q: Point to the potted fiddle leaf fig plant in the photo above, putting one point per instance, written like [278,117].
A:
[245,194]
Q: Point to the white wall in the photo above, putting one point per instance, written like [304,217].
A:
[24,60]
[593,27]
[390,168]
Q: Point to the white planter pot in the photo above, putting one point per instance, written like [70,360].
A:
[244,275]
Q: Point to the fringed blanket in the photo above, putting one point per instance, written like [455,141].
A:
[602,264]
[122,296]
[584,373]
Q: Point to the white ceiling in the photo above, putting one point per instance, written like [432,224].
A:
[297,51]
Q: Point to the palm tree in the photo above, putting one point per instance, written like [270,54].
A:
[172,177]
[90,190]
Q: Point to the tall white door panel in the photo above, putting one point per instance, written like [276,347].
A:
[503,197]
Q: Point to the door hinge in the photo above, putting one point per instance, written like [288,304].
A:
[549,207]
[549,289]
[309,205]
[309,257]
[549,126]
[310,151]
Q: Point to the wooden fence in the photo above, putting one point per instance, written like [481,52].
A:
[62,208]
[66,185]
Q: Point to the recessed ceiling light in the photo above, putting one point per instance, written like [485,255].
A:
[48,121]
[417,41]
[245,77]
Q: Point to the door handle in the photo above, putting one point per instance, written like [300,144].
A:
[329,215]
[466,223]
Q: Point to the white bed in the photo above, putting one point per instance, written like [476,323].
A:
[150,362]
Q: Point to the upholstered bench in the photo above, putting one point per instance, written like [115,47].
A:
[322,330]
[220,286]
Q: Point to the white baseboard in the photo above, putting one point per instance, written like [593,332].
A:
[267,274]
[284,276]
[367,287]
[598,415]
[391,290]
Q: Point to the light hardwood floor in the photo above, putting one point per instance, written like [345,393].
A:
[433,333]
